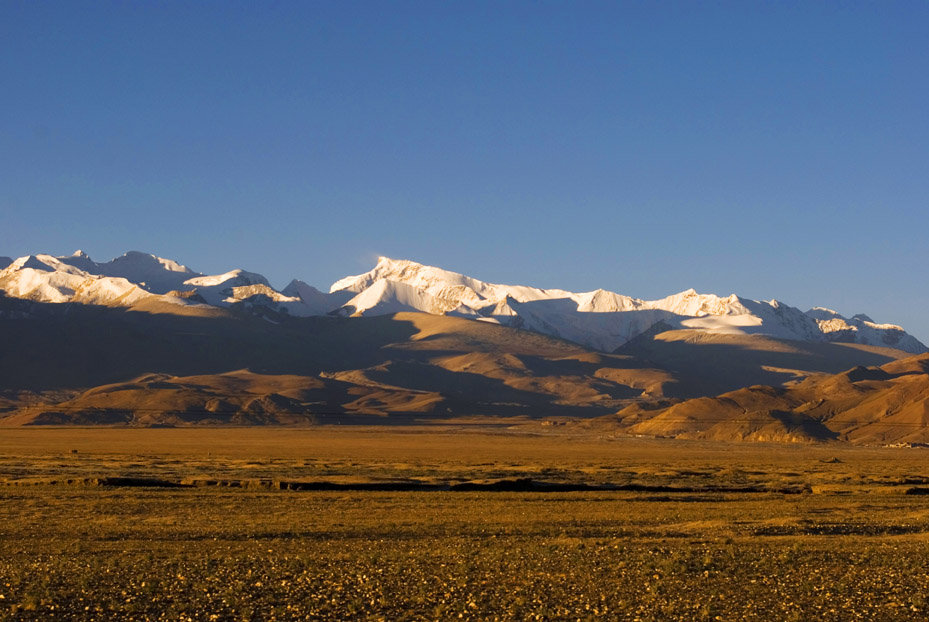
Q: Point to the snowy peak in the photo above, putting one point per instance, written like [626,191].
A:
[145,262]
[408,272]
[690,303]
[602,301]
[153,273]
[862,329]
[233,278]
[239,286]
[387,296]
[80,260]
[42,263]
[822,313]
[384,269]
[29,262]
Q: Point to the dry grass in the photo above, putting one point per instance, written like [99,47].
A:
[854,548]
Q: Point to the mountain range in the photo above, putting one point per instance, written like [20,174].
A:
[146,341]
[599,320]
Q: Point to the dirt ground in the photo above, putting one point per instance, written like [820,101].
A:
[169,524]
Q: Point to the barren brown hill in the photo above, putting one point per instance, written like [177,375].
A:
[157,399]
[88,365]
[81,364]
[863,405]
[709,363]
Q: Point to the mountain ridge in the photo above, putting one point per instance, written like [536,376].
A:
[598,319]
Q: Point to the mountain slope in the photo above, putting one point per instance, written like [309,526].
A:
[863,405]
[712,363]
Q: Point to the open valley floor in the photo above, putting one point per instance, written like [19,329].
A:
[335,523]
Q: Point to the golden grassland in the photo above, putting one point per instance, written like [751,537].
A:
[707,537]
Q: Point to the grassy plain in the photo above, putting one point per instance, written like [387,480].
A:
[707,536]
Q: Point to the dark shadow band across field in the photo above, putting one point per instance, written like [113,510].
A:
[504,485]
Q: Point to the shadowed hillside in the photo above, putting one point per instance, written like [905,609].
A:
[85,364]
[709,364]
[862,405]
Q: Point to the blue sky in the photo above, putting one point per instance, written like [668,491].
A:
[772,149]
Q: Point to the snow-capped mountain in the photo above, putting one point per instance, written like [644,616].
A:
[44,278]
[600,319]
[862,329]
[133,278]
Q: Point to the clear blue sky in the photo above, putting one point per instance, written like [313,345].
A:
[772,149]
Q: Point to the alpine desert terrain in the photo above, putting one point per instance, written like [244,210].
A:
[146,341]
